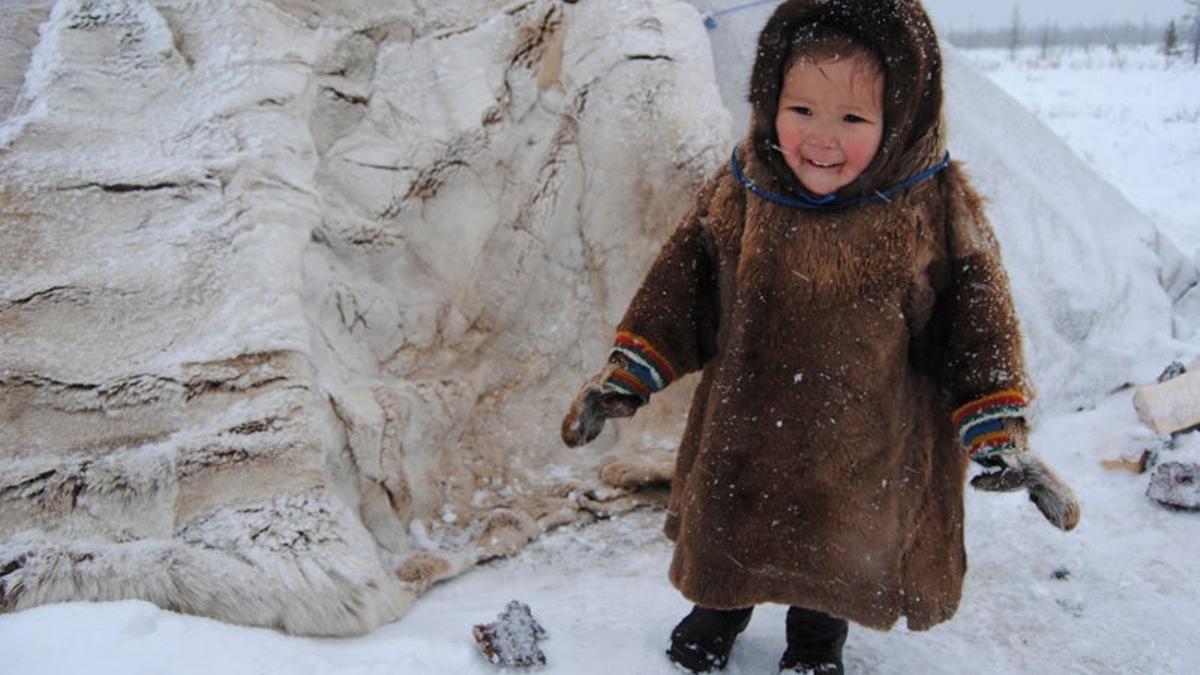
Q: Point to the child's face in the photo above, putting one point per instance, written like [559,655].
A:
[830,120]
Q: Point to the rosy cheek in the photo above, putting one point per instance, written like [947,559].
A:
[864,151]
[785,134]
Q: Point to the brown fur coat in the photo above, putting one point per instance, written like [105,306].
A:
[819,466]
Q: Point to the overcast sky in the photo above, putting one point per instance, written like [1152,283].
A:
[990,13]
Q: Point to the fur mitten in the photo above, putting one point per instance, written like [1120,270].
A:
[598,400]
[1017,468]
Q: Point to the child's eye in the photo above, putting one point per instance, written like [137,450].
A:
[803,110]
[853,119]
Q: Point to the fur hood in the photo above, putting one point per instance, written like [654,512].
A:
[901,33]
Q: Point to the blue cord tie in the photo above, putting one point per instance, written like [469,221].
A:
[826,203]
[710,19]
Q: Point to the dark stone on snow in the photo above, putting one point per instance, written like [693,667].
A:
[512,639]
[1176,484]
[1172,371]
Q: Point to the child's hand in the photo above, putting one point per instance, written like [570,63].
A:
[1023,469]
[595,403]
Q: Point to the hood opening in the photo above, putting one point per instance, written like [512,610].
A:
[901,34]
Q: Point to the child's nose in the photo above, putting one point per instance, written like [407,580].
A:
[821,136]
[821,139]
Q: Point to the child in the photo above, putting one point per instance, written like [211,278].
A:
[840,288]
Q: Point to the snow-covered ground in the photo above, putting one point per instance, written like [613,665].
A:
[1118,595]
[1133,114]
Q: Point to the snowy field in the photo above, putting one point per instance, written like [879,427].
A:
[1119,595]
[1133,114]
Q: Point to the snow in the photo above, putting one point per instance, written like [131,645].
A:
[602,595]
[1132,114]
[1118,595]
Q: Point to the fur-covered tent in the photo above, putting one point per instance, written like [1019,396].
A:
[291,292]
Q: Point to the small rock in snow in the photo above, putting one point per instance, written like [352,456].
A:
[1176,484]
[512,639]
[1172,371]
[1075,609]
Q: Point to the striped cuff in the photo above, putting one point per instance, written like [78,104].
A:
[646,370]
[980,423]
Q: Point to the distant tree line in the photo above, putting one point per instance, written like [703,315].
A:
[1173,37]
[1192,21]
[1049,35]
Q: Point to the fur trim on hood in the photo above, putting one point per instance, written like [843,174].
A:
[900,32]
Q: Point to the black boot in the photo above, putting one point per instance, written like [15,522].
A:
[701,642]
[814,642]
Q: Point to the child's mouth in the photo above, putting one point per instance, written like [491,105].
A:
[822,165]
[812,162]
